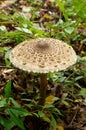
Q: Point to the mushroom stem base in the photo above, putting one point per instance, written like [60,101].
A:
[43,88]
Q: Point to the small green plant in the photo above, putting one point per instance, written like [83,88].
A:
[13,111]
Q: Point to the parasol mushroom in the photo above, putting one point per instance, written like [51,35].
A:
[43,55]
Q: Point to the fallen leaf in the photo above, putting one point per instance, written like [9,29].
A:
[17,87]
[59,128]
[49,99]
[7,70]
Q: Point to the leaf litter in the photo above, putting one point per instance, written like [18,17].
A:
[74,113]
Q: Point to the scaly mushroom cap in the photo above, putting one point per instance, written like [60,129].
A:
[43,55]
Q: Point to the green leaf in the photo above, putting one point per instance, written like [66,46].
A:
[6,123]
[43,116]
[65,102]
[83,92]
[18,121]
[7,62]
[24,30]
[69,30]
[3,103]
[14,103]
[2,49]
[53,121]
[61,6]
[7,54]
[56,111]
[48,106]
[79,77]
[2,122]
[3,28]
[20,112]
[8,90]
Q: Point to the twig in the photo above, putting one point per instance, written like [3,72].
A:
[68,77]
[73,119]
[1,66]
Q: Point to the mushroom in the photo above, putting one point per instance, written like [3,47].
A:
[43,55]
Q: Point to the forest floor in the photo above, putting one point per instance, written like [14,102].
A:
[73,112]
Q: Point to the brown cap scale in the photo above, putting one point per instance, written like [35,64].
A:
[43,55]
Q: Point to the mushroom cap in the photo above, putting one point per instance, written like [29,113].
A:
[43,55]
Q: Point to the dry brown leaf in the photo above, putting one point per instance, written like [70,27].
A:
[17,87]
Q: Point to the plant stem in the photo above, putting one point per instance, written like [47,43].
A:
[43,88]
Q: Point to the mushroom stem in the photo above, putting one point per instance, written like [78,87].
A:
[43,88]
